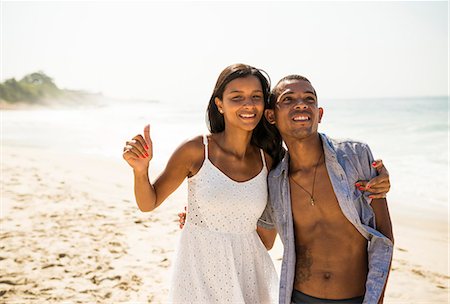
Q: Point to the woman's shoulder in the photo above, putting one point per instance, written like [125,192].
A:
[194,142]
[193,147]
[269,160]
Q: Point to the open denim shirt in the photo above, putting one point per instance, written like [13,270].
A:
[346,162]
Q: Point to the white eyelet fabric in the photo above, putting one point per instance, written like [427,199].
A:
[220,257]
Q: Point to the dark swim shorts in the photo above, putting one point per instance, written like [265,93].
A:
[301,298]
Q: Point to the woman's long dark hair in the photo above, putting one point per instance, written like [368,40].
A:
[265,135]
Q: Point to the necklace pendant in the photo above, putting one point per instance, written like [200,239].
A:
[312,201]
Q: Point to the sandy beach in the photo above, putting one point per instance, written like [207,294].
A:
[71,232]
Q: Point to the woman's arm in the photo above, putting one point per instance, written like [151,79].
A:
[379,185]
[138,154]
[267,236]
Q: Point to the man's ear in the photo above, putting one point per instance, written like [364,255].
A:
[219,104]
[270,116]
[320,114]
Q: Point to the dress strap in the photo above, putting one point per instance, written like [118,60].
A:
[263,158]
[205,142]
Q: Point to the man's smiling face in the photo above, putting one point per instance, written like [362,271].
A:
[296,112]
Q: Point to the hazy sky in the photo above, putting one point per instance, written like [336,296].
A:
[175,51]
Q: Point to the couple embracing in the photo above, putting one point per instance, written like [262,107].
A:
[325,198]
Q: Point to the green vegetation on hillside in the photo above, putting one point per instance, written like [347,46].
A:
[32,88]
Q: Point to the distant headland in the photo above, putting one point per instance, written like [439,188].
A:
[38,89]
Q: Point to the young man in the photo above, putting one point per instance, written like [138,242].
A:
[334,251]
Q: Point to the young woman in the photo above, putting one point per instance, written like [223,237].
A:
[220,257]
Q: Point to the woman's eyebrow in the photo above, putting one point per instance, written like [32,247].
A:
[240,91]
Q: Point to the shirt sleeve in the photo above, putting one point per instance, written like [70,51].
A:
[266,220]
[366,159]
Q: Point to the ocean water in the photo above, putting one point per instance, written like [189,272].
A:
[410,135]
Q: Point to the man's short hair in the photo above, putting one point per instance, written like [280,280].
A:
[275,91]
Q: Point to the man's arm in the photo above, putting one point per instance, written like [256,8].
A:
[382,217]
[266,227]
[384,225]
[378,200]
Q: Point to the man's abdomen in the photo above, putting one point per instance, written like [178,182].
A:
[331,262]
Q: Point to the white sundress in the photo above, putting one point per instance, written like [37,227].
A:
[220,257]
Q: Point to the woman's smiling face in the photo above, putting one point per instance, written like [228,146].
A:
[243,103]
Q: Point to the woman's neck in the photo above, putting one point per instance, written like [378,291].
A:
[235,142]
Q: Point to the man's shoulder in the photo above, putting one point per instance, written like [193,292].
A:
[353,156]
[346,146]
[278,170]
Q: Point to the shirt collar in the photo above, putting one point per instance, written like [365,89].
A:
[328,148]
